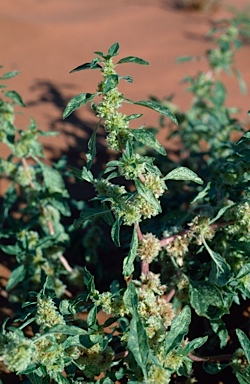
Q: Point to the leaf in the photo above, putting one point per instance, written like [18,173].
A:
[93,65]
[52,179]
[115,231]
[128,263]
[220,272]
[110,83]
[219,94]
[244,342]
[17,275]
[194,344]
[77,102]
[129,79]
[64,329]
[37,378]
[14,96]
[89,214]
[91,319]
[138,342]
[184,59]
[245,270]
[147,138]
[133,59]
[220,213]
[147,194]
[86,175]
[179,328]
[214,368]
[90,155]
[219,328]
[134,116]
[162,109]
[89,281]
[130,297]
[207,300]
[11,249]
[243,377]
[9,75]
[183,173]
[113,50]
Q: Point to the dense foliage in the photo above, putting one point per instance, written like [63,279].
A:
[181,224]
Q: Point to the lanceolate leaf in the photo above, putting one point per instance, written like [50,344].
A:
[115,232]
[14,96]
[220,272]
[77,102]
[111,82]
[133,59]
[138,342]
[90,214]
[179,329]
[93,65]
[194,344]
[147,194]
[128,264]
[113,50]
[183,173]
[90,155]
[244,342]
[163,110]
[147,138]
[16,277]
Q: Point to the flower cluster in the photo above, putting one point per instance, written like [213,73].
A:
[47,314]
[149,248]
[16,350]
[153,308]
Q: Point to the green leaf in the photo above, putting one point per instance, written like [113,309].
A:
[245,270]
[128,263]
[90,155]
[220,272]
[89,281]
[90,214]
[130,297]
[243,377]
[138,342]
[11,249]
[194,344]
[207,300]
[115,231]
[113,50]
[91,319]
[219,328]
[214,368]
[52,179]
[38,378]
[179,329]
[129,79]
[147,138]
[133,59]
[110,83]
[14,96]
[134,116]
[17,275]
[184,59]
[221,212]
[147,194]
[162,109]
[219,94]
[77,102]
[183,173]
[64,329]
[93,65]
[9,75]
[87,175]
[244,342]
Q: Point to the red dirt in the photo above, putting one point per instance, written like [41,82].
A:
[46,39]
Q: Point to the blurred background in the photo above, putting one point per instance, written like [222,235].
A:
[45,39]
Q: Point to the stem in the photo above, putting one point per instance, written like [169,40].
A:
[144,264]
[212,359]
[26,167]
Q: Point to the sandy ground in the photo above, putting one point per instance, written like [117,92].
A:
[45,39]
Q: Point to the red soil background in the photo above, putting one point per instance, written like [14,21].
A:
[45,39]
